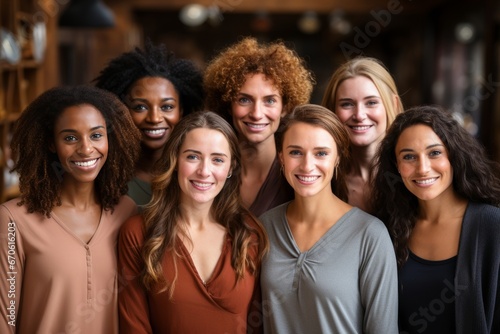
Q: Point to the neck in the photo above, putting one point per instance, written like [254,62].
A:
[443,208]
[257,157]
[196,216]
[145,164]
[81,196]
[362,159]
[316,208]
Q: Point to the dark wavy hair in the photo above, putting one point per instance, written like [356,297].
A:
[324,118]
[473,173]
[162,215]
[154,61]
[226,74]
[40,174]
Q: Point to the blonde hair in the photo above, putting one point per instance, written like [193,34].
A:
[374,70]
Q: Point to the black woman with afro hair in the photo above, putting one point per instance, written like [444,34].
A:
[158,89]
[75,150]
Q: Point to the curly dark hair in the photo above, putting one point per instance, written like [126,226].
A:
[154,61]
[162,216]
[226,74]
[40,174]
[324,118]
[473,173]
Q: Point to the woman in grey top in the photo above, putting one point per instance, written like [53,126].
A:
[331,267]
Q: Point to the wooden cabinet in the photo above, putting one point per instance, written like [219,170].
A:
[23,80]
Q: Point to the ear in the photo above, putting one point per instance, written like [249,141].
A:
[280,157]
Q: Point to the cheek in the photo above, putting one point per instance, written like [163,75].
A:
[174,117]
[137,118]
[343,115]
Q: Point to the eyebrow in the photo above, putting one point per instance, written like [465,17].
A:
[91,129]
[145,100]
[411,150]
[315,148]
[198,152]
[249,95]
[365,98]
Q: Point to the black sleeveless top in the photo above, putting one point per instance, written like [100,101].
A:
[427,296]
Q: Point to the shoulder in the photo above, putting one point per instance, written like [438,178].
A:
[274,213]
[10,210]
[482,217]
[125,208]
[132,231]
[365,221]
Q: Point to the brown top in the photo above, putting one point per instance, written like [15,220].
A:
[274,191]
[221,305]
[52,281]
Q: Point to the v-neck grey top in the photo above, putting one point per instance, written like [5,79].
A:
[345,283]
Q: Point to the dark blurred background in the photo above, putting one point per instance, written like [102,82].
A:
[439,51]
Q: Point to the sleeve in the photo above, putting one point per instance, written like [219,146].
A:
[132,299]
[255,319]
[11,271]
[378,281]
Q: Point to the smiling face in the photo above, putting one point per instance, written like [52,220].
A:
[309,157]
[81,143]
[257,110]
[155,108]
[203,166]
[359,106]
[423,163]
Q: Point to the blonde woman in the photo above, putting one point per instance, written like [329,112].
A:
[362,93]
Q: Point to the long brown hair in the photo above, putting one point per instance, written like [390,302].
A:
[324,118]
[162,215]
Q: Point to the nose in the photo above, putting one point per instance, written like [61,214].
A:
[154,116]
[307,163]
[86,147]
[359,113]
[423,165]
[204,168]
[257,111]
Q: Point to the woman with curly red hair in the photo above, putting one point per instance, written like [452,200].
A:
[252,86]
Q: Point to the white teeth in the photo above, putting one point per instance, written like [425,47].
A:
[307,178]
[427,181]
[85,163]
[202,185]
[257,126]
[155,132]
[361,128]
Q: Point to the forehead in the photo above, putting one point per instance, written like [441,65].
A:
[301,133]
[80,115]
[358,85]
[152,86]
[418,136]
[206,140]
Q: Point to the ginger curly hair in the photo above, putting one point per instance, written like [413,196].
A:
[39,169]
[227,72]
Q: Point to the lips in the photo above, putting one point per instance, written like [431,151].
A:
[88,163]
[154,133]
[360,127]
[256,126]
[426,181]
[307,179]
[201,185]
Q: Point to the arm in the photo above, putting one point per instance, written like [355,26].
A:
[379,281]
[132,300]
[11,271]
